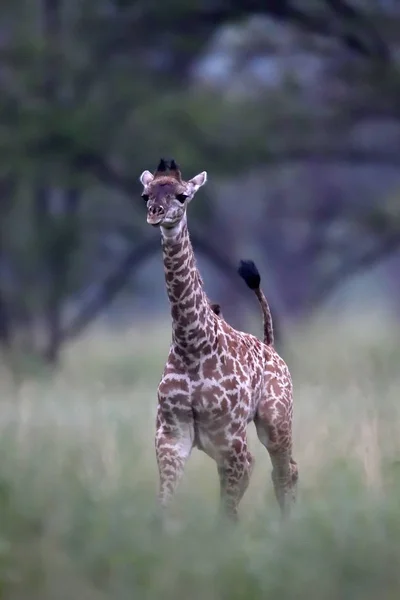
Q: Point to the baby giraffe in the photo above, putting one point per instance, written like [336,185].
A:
[216,379]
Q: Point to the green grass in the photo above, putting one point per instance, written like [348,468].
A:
[78,480]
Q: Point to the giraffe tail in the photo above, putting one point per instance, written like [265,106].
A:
[249,272]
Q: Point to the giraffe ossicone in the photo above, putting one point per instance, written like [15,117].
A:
[216,379]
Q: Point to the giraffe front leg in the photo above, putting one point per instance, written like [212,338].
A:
[234,469]
[172,455]
[173,447]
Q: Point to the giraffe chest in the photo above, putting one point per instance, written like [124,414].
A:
[220,412]
[218,387]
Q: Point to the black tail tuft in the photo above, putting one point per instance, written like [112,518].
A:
[249,272]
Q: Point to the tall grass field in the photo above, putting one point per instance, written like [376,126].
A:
[78,479]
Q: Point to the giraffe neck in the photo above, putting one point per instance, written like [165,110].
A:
[193,321]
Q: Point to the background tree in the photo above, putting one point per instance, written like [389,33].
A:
[291,106]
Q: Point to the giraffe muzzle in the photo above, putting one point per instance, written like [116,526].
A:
[155,215]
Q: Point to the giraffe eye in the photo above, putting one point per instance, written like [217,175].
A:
[181,197]
[145,197]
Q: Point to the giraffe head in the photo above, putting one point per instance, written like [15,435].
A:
[167,195]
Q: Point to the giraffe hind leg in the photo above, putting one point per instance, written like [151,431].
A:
[284,478]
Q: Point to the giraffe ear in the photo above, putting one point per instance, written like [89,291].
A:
[146,178]
[196,182]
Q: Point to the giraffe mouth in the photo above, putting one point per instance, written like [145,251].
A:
[169,224]
[154,220]
[160,221]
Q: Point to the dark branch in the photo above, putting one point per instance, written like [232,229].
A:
[372,44]
[349,268]
[109,288]
[348,25]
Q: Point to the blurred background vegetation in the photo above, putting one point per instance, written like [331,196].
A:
[293,108]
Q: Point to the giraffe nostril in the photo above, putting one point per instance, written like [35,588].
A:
[156,210]
[155,215]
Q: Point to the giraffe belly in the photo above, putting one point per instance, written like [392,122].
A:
[217,426]
[203,442]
